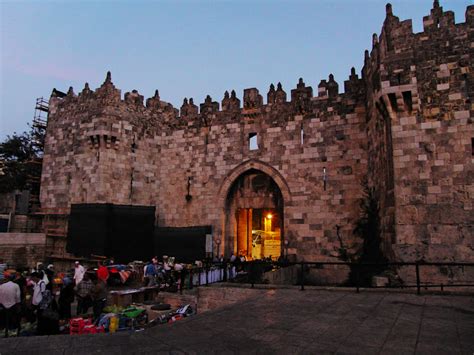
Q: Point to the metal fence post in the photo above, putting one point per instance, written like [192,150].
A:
[357,267]
[302,276]
[181,283]
[207,275]
[417,266]
[191,279]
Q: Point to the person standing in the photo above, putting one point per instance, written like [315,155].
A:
[79,272]
[40,301]
[49,272]
[102,272]
[10,298]
[150,273]
[66,297]
[99,297]
[20,280]
[83,292]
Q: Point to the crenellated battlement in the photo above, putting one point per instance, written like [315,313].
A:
[161,115]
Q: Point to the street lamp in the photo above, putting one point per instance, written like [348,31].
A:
[218,243]
[286,242]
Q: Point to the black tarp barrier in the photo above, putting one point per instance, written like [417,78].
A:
[4,225]
[187,244]
[120,231]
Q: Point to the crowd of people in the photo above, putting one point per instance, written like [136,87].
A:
[41,300]
[161,273]
[44,298]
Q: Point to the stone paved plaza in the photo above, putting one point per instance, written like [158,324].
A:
[288,321]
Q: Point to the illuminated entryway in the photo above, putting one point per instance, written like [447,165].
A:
[254,216]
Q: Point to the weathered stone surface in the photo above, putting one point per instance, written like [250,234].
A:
[290,321]
[406,124]
[22,249]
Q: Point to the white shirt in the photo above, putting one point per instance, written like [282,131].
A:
[79,272]
[38,290]
[9,294]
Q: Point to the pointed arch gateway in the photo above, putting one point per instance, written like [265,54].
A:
[252,199]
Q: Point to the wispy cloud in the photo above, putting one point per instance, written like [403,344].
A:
[52,70]
[57,67]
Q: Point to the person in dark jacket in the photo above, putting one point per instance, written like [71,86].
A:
[66,297]
[99,297]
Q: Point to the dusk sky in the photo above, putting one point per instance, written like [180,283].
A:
[184,48]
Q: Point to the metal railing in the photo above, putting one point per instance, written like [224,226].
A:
[358,274]
[205,275]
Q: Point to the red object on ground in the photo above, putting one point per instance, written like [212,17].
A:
[90,329]
[78,325]
[100,329]
[175,318]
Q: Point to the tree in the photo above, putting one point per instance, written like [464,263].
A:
[368,228]
[20,157]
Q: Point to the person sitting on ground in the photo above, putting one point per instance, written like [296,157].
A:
[83,293]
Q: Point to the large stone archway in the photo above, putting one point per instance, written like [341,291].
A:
[262,189]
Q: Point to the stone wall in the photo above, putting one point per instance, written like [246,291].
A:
[22,249]
[420,123]
[103,149]
[406,125]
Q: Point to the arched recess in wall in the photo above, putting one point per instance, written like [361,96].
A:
[250,173]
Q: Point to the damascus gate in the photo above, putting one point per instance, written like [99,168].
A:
[279,172]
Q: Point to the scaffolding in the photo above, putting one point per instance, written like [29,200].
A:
[38,132]
[54,220]
[54,226]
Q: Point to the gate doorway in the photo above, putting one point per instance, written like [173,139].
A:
[254,217]
[258,233]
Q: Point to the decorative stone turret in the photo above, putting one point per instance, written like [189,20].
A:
[438,18]
[208,110]
[189,109]
[70,92]
[134,98]
[352,85]
[280,95]
[252,99]
[107,92]
[231,103]
[209,106]
[271,94]
[86,92]
[301,96]
[323,88]
[333,87]
[154,101]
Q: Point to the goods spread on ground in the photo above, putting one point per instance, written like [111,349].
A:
[133,318]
